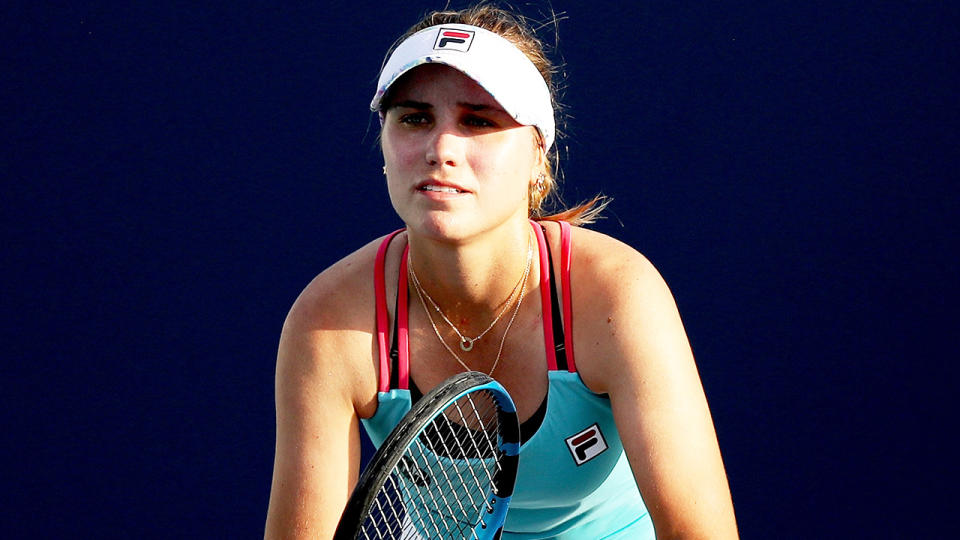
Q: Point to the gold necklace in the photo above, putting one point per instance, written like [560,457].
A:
[523,287]
[466,344]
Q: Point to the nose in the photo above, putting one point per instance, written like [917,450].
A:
[445,147]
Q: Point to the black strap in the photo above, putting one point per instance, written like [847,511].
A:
[394,349]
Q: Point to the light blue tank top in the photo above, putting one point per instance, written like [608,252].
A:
[573,481]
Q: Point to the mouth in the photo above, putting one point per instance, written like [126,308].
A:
[433,186]
[439,189]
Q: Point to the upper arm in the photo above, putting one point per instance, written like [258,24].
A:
[320,372]
[641,357]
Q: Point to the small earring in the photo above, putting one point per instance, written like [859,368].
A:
[384,169]
[537,192]
[541,183]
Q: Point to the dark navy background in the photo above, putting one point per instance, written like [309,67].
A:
[174,174]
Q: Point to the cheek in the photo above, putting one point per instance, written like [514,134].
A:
[512,162]
[393,161]
[387,146]
[393,148]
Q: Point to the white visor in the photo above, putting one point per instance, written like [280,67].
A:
[489,59]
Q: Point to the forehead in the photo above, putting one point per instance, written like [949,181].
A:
[432,83]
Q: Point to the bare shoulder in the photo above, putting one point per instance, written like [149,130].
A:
[624,310]
[334,288]
[327,335]
[617,278]
[608,260]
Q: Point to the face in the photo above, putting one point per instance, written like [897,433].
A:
[457,163]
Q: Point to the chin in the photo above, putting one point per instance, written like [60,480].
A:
[443,226]
[455,229]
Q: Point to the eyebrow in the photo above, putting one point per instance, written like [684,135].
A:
[411,104]
[421,106]
[476,107]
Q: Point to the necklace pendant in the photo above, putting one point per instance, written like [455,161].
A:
[466,344]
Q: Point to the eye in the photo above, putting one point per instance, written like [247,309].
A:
[418,118]
[478,121]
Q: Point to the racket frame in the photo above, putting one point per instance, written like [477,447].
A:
[393,449]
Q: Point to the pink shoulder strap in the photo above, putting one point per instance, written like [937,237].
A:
[545,299]
[403,325]
[565,249]
[383,327]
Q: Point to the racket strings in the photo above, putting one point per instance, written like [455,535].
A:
[475,447]
[386,515]
[468,446]
[482,442]
[439,489]
[470,421]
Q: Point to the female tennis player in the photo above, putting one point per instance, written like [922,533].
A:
[617,438]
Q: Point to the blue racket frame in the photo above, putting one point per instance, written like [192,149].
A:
[387,458]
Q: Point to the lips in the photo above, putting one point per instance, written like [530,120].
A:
[433,186]
[440,189]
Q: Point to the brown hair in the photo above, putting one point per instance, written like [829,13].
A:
[519,30]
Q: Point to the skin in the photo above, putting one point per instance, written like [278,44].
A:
[469,250]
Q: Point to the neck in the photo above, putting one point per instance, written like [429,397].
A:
[471,280]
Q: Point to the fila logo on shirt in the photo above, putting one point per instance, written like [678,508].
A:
[586,445]
[454,39]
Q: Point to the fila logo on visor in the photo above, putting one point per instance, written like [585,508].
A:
[586,445]
[453,39]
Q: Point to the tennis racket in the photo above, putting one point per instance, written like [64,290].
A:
[445,472]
